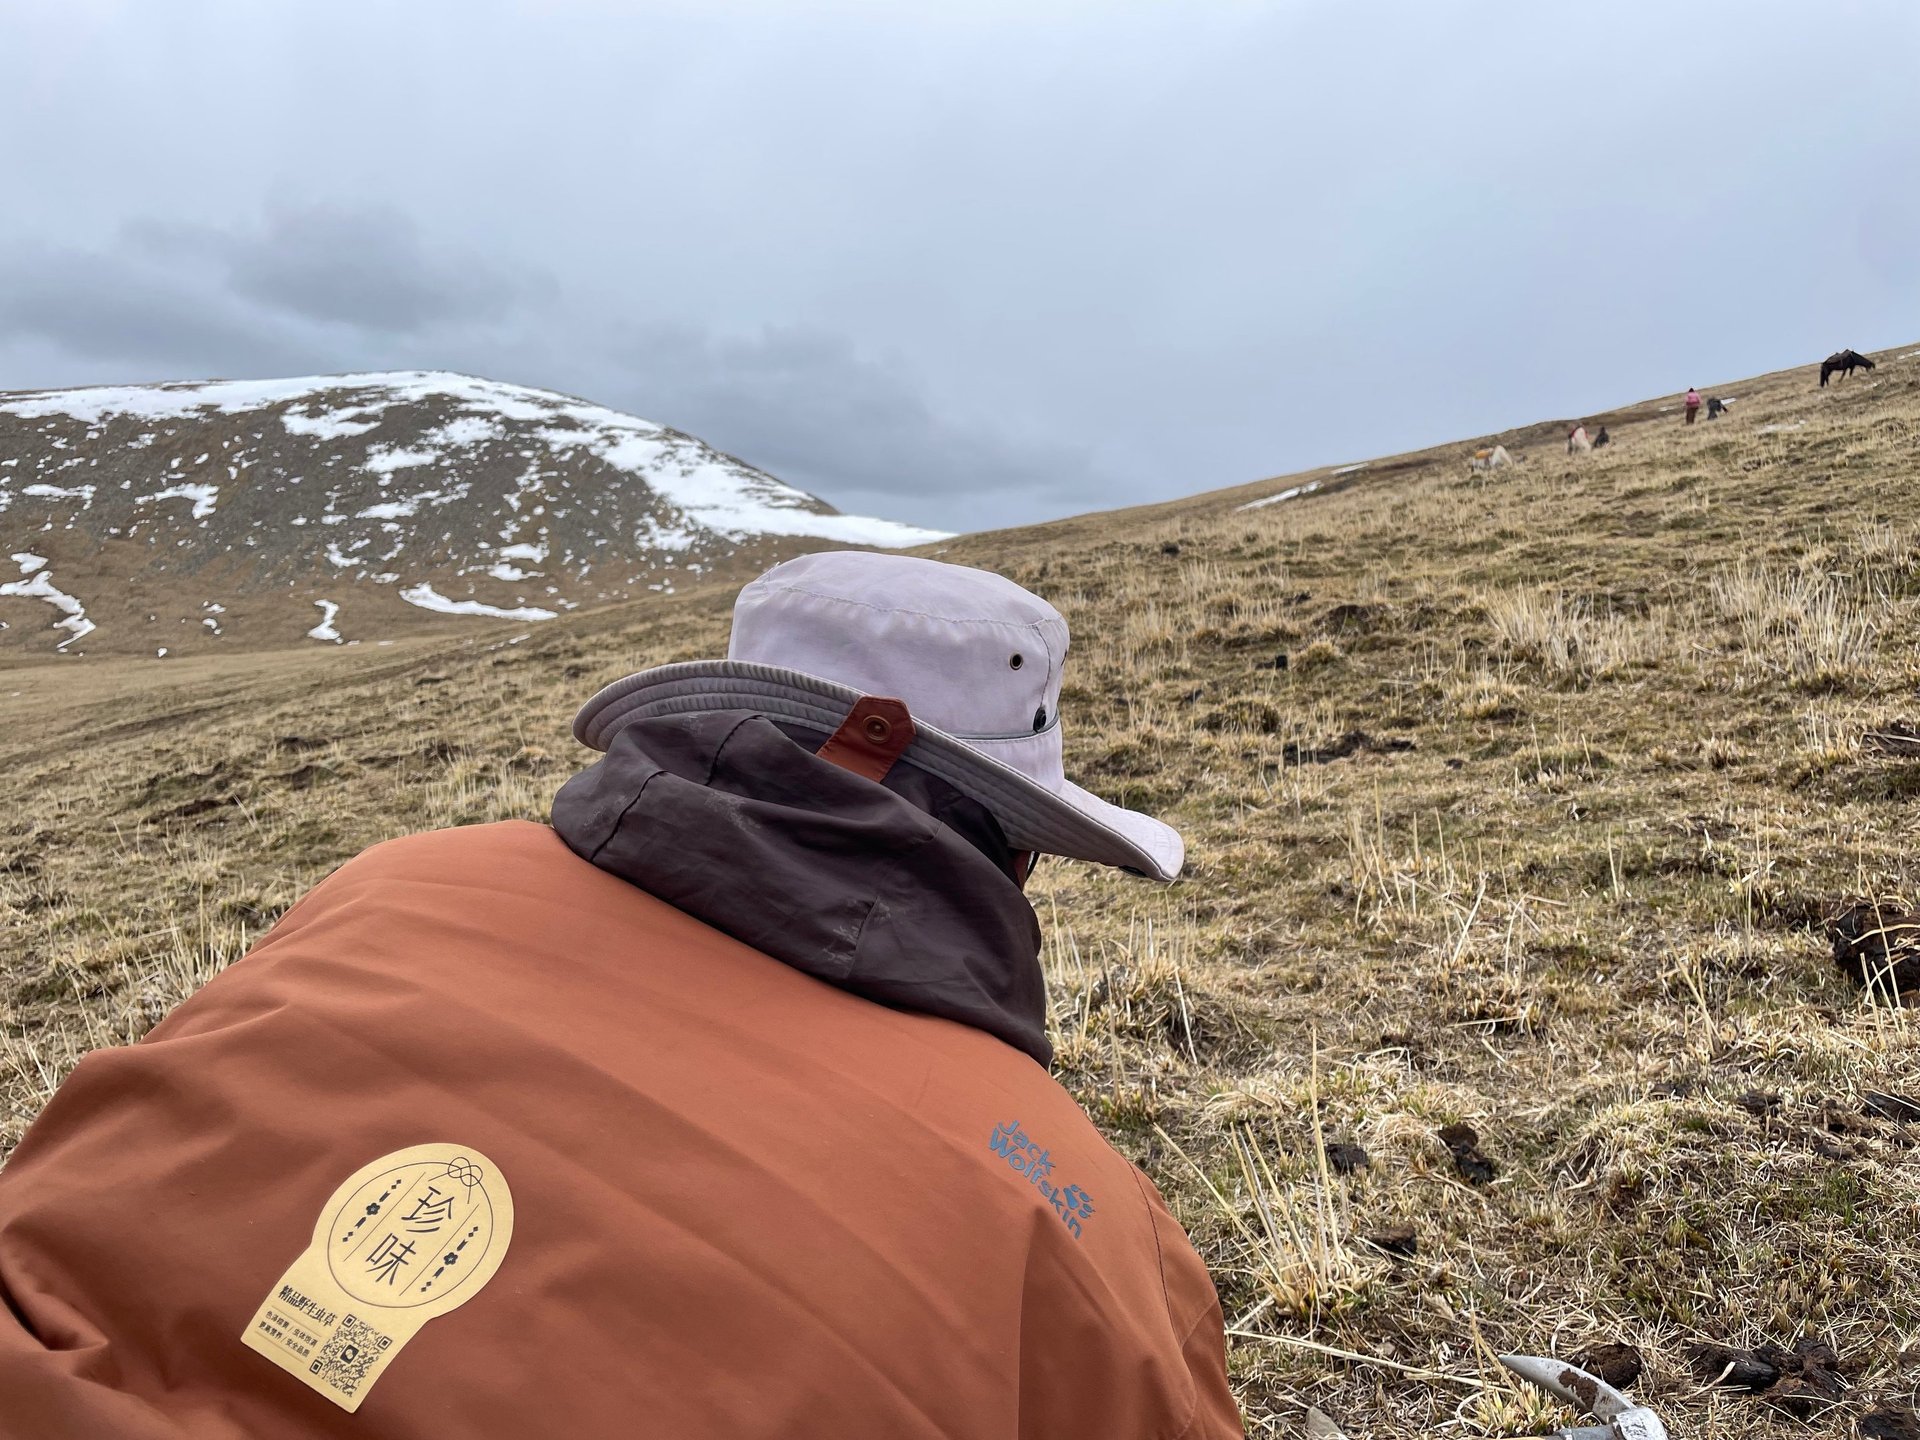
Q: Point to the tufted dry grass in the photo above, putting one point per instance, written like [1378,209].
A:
[1532,830]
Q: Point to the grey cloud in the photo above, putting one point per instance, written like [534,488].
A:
[317,288]
[863,431]
[365,268]
[133,319]
[369,269]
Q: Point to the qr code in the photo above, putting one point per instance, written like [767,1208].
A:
[344,1361]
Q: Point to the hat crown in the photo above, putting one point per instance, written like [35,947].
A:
[967,650]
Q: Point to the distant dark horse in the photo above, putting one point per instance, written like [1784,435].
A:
[1845,362]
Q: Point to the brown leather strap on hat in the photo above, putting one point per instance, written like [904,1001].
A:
[871,738]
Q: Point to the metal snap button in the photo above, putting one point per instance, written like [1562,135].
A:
[879,729]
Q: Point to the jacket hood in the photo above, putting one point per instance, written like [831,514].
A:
[899,892]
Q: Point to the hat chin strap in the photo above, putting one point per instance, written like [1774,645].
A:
[872,737]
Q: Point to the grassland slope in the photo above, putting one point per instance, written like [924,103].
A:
[1517,804]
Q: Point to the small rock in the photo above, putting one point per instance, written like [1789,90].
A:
[1321,1428]
[1463,1143]
[1614,1361]
[1280,662]
[1889,1422]
[1345,1158]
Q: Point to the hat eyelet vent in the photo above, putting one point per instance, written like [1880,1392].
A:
[1015,661]
[1039,719]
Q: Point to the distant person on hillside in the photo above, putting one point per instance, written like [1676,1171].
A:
[736,1076]
[1693,404]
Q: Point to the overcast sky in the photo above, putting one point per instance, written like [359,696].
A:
[969,263]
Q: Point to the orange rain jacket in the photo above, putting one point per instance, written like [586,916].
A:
[746,1200]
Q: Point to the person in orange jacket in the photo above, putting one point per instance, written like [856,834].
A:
[717,1108]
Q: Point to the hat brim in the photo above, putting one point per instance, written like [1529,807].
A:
[1067,821]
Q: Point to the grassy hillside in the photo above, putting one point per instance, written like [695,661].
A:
[1516,802]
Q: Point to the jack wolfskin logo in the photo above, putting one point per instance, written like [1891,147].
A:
[1026,1159]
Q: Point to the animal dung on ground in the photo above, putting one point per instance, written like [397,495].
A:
[1614,1361]
[1889,1422]
[1900,738]
[1759,1103]
[1892,1107]
[1344,1157]
[1354,742]
[1802,1381]
[1399,1239]
[1463,1143]
[1878,948]
[1731,1369]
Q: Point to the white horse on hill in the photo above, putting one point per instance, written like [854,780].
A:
[1482,461]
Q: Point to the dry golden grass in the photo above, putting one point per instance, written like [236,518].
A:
[1533,832]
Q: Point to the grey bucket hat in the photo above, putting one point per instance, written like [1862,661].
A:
[976,659]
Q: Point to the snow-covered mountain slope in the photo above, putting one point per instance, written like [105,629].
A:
[152,517]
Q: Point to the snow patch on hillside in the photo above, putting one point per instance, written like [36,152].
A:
[82,493]
[325,629]
[36,583]
[164,402]
[385,460]
[427,598]
[202,496]
[397,509]
[467,430]
[330,424]
[1295,493]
